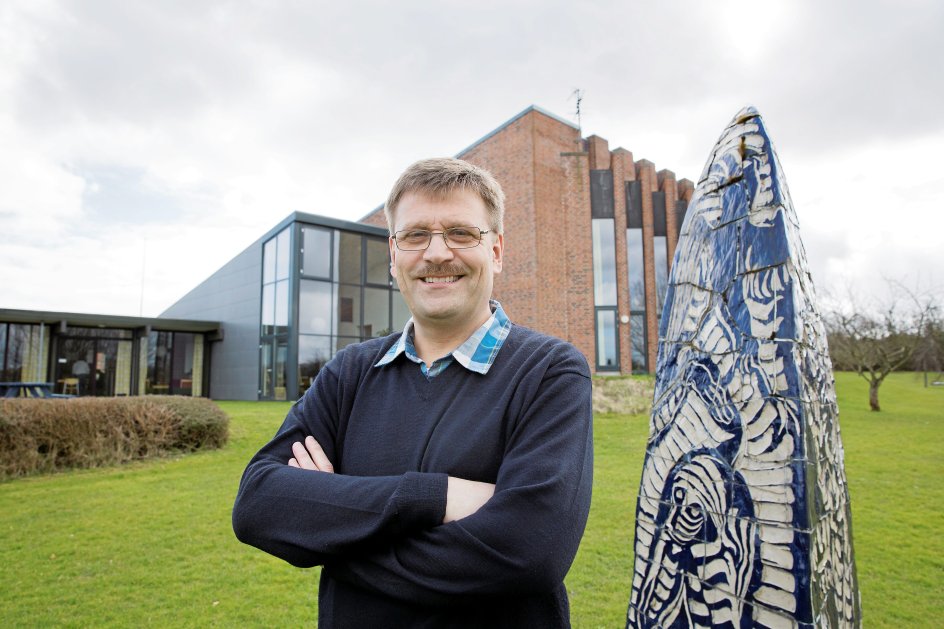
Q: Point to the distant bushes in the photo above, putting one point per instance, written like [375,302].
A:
[49,435]
[622,394]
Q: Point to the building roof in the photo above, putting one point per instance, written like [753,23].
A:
[106,321]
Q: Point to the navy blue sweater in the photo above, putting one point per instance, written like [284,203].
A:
[394,436]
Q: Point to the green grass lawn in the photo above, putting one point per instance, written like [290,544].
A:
[150,544]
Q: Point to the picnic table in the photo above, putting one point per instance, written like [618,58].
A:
[29,389]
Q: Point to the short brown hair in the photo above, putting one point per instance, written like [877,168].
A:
[440,176]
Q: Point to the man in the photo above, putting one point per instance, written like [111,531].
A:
[440,475]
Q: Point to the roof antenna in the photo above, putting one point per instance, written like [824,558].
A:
[578,94]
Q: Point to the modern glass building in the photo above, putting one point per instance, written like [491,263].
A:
[291,300]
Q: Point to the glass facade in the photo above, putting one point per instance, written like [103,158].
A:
[99,361]
[345,295]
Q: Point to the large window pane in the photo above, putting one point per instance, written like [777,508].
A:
[349,310]
[378,262]
[376,312]
[268,309]
[182,367]
[281,306]
[607,354]
[604,262]
[313,353]
[265,363]
[349,258]
[316,254]
[637,283]
[160,349]
[314,307]
[268,262]
[637,338]
[3,352]
[662,270]
[15,350]
[279,391]
[282,256]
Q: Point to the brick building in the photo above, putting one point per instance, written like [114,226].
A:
[589,232]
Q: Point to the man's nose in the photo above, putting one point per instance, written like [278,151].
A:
[437,251]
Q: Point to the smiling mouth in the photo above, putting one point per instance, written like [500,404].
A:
[449,279]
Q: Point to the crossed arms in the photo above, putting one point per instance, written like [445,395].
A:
[427,537]
[463,497]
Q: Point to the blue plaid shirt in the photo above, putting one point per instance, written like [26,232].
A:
[476,354]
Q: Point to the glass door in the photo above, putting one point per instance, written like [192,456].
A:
[93,366]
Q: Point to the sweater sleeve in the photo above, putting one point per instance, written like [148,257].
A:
[524,539]
[307,517]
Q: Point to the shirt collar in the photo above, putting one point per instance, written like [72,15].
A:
[476,354]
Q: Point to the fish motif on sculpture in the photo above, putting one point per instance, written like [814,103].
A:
[743,514]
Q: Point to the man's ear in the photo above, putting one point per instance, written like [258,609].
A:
[498,249]
[393,256]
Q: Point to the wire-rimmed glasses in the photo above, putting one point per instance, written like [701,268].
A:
[454,237]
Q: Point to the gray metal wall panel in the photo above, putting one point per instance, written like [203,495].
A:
[231,296]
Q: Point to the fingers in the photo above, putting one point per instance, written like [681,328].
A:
[302,457]
[310,456]
[318,456]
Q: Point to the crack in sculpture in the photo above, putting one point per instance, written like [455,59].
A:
[743,511]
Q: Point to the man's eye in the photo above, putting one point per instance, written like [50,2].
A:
[414,235]
[461,233]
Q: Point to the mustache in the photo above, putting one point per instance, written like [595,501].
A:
[440,269]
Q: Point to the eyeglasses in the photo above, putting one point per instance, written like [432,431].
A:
[454,237]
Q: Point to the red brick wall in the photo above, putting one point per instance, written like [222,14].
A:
[668,186]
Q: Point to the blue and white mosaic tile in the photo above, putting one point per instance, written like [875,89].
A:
[743,515]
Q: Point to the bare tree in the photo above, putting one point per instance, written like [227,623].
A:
[929,355]
[874,337]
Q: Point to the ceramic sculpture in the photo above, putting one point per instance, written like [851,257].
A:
[743,511]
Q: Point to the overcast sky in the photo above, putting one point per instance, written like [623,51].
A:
[144,144]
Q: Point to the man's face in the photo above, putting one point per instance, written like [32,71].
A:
[443,286]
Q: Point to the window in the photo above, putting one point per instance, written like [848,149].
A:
[353,300]
[316,252]
[637,335]
[174,363]
[636,277]
[275,315]
[604,262]
[607,343]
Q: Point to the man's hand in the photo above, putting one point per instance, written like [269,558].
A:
[465,497]
[310,456]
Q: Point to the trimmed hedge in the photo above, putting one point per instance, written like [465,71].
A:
[39,436]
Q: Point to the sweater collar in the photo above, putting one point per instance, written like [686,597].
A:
[476,354]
